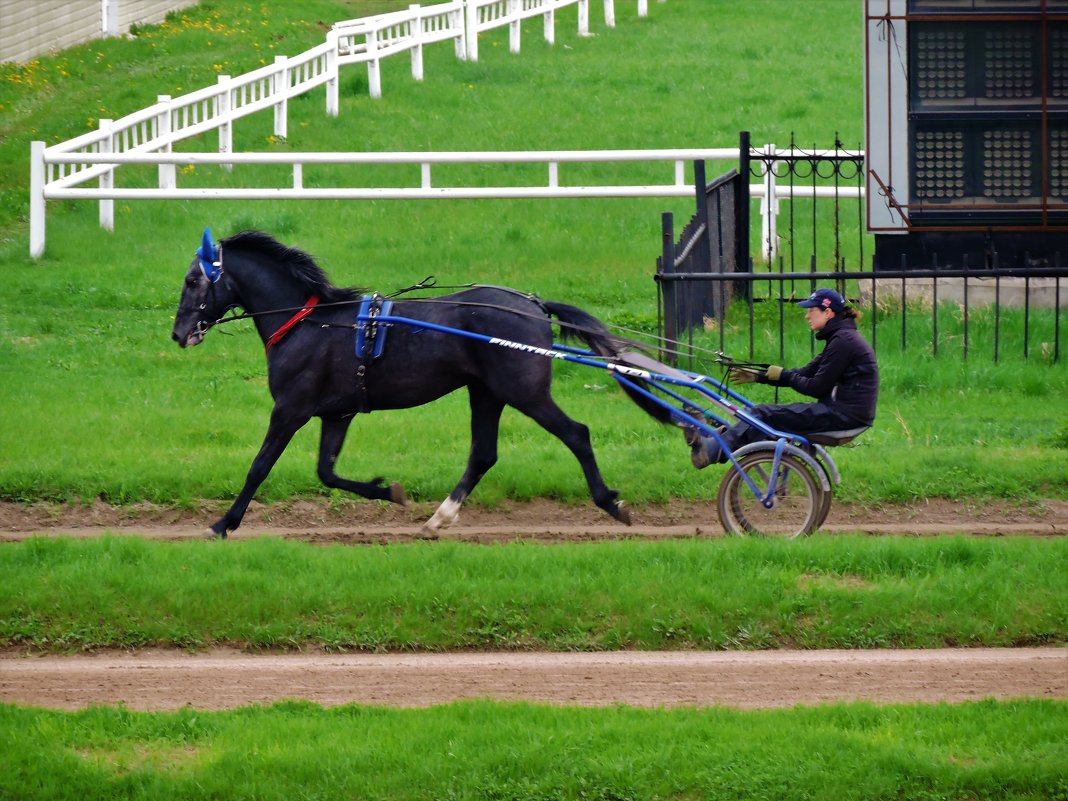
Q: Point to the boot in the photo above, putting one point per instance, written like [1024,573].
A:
[703,450]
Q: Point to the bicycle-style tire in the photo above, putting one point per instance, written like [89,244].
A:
[797,504]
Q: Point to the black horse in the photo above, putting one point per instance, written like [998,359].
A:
[307,326]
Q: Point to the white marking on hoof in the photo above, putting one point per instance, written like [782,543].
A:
[444,517]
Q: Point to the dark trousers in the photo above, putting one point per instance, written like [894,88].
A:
[792,418]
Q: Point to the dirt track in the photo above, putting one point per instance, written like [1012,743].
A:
[359,523]
[166,681]
[162,680]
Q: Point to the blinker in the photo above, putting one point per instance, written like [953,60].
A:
[208,257]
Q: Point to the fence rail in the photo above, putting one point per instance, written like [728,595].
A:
[59,175]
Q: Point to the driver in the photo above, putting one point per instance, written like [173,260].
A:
[844,379]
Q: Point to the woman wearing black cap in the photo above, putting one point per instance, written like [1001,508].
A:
[844,379]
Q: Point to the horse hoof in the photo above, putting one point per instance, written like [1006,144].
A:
[397,495]
[622,513]
[426,533]
[446,514]
[212,534]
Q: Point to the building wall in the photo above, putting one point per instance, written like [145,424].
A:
[31,28]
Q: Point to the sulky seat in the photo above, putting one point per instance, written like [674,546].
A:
[834,438]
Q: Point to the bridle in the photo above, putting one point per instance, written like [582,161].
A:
[210,258]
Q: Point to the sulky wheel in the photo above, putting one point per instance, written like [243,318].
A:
[795,507]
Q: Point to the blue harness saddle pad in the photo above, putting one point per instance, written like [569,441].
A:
[370,335]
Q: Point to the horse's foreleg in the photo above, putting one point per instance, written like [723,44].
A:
[486,411]
[577,438]
[333,437]
[282,427]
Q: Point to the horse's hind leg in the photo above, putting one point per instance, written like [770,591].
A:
[486,411]
[577,438]
[330,442]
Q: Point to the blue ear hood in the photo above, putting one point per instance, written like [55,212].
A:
[209,259]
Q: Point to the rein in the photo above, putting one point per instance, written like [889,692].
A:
[211,263]
[301,312]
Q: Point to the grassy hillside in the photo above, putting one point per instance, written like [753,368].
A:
[97,402]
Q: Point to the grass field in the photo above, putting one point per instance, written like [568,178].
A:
[481,750]
[96,402]
[827,592]
[117,412]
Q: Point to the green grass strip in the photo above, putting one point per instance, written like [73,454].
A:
[483,750]
[824,592]
[99,403]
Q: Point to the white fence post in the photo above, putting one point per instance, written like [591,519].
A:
[416,31]
[471,26]
[107,179]
[609,13]
[643,8]
[280,90]
[584,18]
[109,17]
[769,209]
[333,68]
[457,20]
[515,28]
[226,127]
[374,65]
[167,173]
[37,199]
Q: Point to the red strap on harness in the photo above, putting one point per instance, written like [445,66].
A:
[291,323]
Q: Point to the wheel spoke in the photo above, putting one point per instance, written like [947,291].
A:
[797,501]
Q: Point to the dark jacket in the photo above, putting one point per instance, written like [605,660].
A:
[843,376]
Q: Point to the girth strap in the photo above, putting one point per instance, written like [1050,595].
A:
[291,323]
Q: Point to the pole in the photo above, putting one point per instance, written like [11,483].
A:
[37,199]
[107,179]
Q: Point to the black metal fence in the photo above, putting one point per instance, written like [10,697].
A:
[721,276]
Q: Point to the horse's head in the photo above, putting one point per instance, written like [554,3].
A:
[206,295]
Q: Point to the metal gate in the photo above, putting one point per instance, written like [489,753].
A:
[718,273]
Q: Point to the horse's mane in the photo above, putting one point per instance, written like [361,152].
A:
[295,262]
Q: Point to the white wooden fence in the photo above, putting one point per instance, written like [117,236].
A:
[147,137]
[66,187]
[59,169]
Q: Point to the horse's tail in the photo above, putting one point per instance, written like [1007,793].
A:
[578,324]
